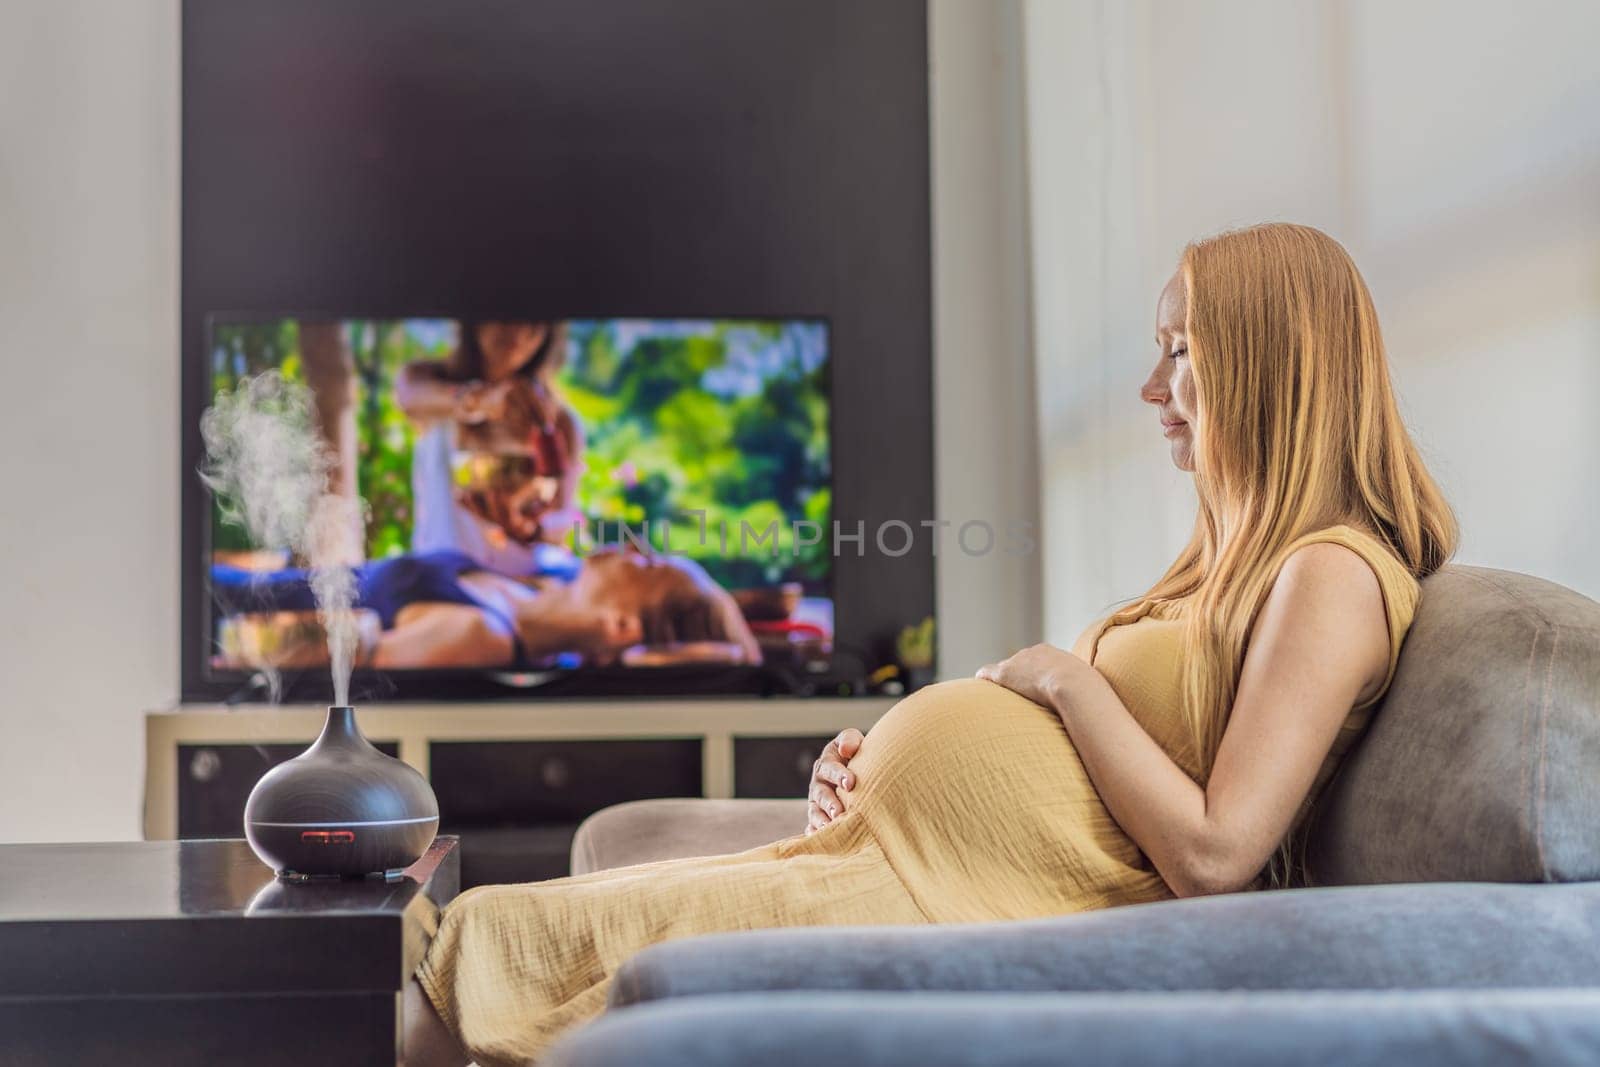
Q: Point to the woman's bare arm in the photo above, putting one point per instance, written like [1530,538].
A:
[571,431]
[422,393]
[1319,643]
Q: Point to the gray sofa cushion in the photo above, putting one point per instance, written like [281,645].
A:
[1483,761]
[1463,1028]
[1437,935]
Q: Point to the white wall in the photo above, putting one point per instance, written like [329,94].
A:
[1474,169]
[986,451]
[1454,147]
[88,408]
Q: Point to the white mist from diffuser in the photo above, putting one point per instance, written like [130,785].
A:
[333,545]
[269,468]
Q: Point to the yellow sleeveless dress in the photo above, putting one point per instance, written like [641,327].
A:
[972,806]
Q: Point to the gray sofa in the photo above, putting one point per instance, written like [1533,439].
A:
[1453,915]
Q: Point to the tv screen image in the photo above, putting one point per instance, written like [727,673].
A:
[548,495]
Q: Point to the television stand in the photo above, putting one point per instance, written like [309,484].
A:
[513,779]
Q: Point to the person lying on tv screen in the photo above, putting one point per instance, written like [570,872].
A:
[496,461]
[442,610]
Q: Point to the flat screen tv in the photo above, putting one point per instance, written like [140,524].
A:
[622,505]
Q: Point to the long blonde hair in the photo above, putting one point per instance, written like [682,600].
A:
[1297,429]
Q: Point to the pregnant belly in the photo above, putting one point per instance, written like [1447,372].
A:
[978,795]
[957,735]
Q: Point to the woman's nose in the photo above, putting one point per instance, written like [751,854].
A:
[1154,389]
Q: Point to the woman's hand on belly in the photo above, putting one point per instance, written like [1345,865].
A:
[1039,673]
[828,774]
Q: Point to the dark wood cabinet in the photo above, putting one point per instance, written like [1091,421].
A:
[507,783]
[192,953]
[775,766]
[499,855]
[517,804]
[214,781]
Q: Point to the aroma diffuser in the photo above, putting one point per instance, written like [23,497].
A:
[340,809]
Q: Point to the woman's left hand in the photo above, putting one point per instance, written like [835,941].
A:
[1038,672]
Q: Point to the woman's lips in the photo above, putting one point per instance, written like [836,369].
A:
[1170,428]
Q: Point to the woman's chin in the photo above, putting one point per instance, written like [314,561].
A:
[1183,453]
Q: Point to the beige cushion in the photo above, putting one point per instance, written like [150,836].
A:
[640,831]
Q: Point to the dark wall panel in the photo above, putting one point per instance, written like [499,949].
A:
[581,158]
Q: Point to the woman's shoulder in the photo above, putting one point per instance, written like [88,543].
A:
[1366,543]
[1307,559]
[1328,568]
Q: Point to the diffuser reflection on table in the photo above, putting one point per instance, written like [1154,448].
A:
[340,809]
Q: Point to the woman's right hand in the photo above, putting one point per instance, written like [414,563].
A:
[828,775]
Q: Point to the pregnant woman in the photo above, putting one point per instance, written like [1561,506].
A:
[1174,751]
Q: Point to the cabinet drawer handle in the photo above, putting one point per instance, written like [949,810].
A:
[555,773]
[205,765]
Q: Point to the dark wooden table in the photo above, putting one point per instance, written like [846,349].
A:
[191,952]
